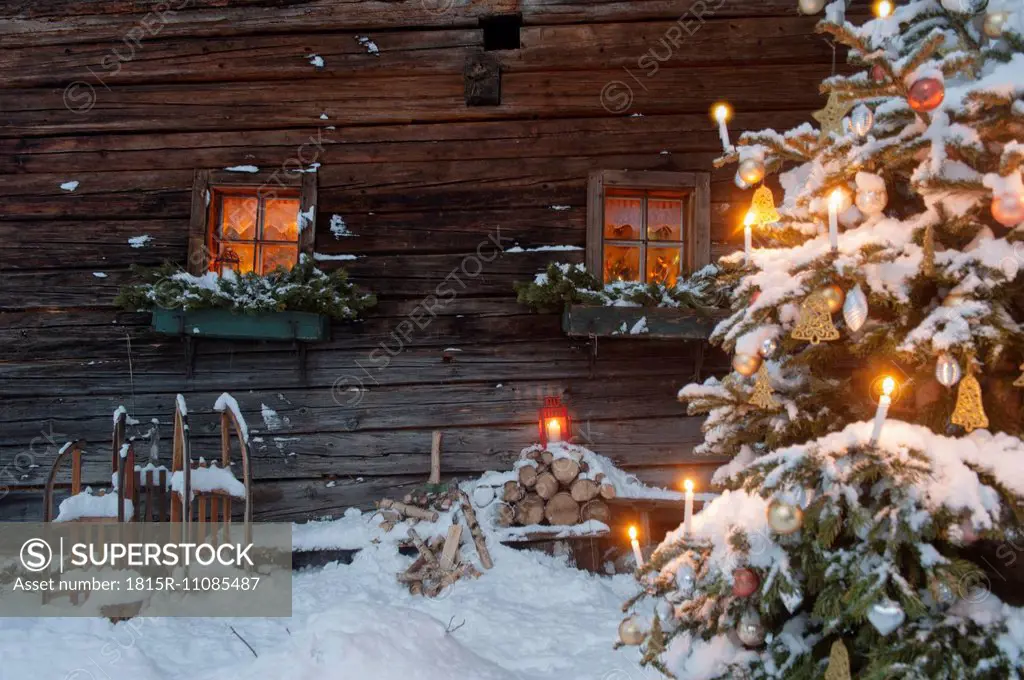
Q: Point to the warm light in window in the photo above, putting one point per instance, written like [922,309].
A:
[883,9]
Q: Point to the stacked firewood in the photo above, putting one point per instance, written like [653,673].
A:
[440,562]
[420,505]
[557,491]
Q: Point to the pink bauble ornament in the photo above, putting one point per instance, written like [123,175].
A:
[926,94]
[1008,209]
[878,73]
[745,582]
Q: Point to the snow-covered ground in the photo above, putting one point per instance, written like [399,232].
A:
[532,617]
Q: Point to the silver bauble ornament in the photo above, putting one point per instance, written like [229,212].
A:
[751,171]
[740,183]
[872,201]
[784,518]
[947,370]
[995,24]
[1008,209]
[862,120]
[746,364]
[630,632]
[750,629]
[686,580]
[811,6]
[768,347]
[855,309]
[942,593]
[886,616]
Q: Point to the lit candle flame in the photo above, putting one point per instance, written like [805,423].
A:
[632,533]
[749,219]
[888,386]
[883,9]
[836,198]
[688,485]
[554,430]
[721,111]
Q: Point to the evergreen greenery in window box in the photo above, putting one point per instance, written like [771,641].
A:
[294,304]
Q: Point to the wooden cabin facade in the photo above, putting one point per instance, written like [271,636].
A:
[445,144]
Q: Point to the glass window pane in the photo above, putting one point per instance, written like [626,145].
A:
[238,257]
[238,218]
[663,265]
[280,219]
[278,256]
[664,220]
[621,263]
[622,218]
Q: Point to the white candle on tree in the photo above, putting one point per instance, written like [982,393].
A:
[688,517]
[722,112]
[748,235]
[639,556]
[888,385]
[835,200]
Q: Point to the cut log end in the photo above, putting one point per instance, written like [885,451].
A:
[562,510]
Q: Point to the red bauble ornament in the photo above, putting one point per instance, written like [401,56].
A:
[753,296]
[878,73]
[1008,209]
[926,94]
[745,582]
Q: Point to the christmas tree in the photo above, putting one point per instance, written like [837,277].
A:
[879,445]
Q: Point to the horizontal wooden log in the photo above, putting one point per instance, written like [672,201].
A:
[365,99]
[789,40]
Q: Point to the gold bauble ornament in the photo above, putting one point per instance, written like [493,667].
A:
[970,411]
[784,518]
[834,296]
[838,662]
[815,322]
[1008,209]
[751,171]
[630,632]
[762,397]
[762,207]
[953,299]
[831,117]
[746,364]
[995,24]
[811,6]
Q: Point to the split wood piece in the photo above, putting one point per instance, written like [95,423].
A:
[583,490]
[506,515]
[607,492]
[512,492]
[565,470]
[530,510]
[528,476]
[547,457]
[425,551]
[475,531]
[409,510]
[546,486]
[596,510]
[562,510]
[533,455]
[387,525]
[451,547]
[435,458]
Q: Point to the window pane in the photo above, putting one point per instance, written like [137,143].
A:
[238,218]
[238,257]
[664,220]
[622,218]
[663,265]
[280,219]
[621,263]
[278,256]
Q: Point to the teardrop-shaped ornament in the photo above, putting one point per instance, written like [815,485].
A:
[947,370]
[855,309]
[862,120]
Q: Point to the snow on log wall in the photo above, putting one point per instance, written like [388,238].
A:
[128,104]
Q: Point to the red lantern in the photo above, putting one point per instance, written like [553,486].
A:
[554,422]
[926,94]
[745,582]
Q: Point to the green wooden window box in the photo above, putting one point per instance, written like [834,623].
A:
[222,323]
[658,322]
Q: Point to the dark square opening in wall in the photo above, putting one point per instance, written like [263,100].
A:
[501,32]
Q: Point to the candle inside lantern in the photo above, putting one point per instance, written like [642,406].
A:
[722,112]
[888,385]
[688,516]
[883,9]
[835,200]
[637,555]
[748,223]
[553,429]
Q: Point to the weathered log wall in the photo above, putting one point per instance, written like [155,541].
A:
[129,99]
